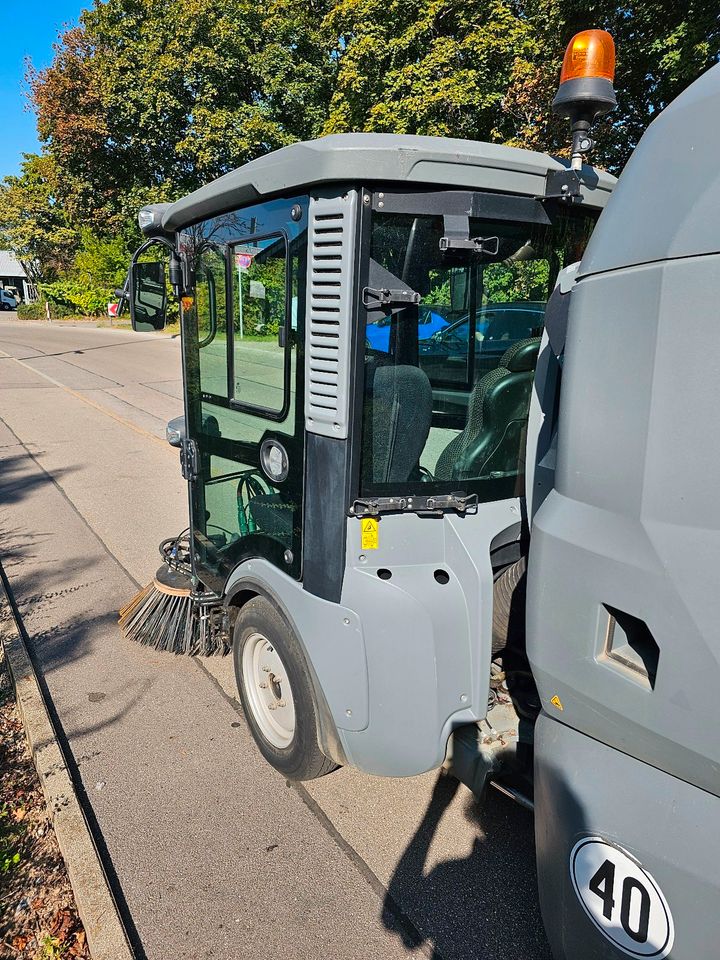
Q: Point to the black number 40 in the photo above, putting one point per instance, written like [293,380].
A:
[603,886]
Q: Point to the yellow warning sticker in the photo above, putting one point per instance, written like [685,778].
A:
[557,702]
[369,534]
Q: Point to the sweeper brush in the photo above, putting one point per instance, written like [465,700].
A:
[168,614]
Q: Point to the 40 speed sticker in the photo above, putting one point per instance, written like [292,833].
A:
[621,899]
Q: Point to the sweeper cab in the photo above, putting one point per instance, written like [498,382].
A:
[451,493]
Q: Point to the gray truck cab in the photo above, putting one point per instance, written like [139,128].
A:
[362,318]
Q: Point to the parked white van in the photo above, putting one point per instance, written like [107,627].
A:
[7,301]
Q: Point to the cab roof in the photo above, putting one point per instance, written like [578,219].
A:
[367,158]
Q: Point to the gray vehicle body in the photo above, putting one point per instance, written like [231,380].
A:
[398,664]
[623,605]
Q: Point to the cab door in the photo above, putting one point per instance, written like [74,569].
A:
[243,330]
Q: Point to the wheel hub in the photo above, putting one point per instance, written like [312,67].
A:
[267,691]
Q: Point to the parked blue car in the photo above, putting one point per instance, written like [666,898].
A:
[377,334]
[497,327]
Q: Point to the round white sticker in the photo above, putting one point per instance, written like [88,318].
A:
[621,899]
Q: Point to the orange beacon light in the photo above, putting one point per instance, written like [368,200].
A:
[586,86]
[589,54]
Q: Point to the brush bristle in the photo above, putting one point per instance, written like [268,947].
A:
[173,621]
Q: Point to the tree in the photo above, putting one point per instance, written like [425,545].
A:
[148,99]
[98,269]
[662,46]
[440,68]
[33,225]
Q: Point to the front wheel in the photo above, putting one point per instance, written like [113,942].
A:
[276,692]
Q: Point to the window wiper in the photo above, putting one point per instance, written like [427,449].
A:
[434,505]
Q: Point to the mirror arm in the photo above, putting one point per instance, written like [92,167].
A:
[175,273]
[149,243]
[175,267]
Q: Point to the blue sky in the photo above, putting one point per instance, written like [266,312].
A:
[31,27]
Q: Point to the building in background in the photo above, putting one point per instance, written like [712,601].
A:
[14,277]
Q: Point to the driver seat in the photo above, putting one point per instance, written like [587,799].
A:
[492,442]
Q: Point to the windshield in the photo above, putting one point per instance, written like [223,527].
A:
[449,363]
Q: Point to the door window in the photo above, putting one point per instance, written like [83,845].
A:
[210,306]
[260,362]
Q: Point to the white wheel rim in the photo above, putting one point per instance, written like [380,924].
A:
[267,690]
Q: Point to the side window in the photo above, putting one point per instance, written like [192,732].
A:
[448,384]
[211,312]
[260,360]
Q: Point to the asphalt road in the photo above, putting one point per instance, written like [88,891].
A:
[211,853]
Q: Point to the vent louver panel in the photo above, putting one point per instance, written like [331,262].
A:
[327,354]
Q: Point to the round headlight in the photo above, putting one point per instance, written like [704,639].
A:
[274,460]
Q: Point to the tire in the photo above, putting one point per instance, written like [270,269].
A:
[509,607]
[509,598]
[276,692]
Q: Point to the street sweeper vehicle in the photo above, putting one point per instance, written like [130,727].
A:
[453,494]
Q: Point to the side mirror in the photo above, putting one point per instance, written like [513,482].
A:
[175,431]
[148,296]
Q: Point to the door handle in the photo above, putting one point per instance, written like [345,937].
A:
[189,460]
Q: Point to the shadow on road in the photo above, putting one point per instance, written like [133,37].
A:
[54,593]
[483,906]
[18,483]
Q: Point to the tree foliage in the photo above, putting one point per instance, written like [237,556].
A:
[662,46]
[488,69]
[32,223]
[148,99]
[97,270]
[440,68]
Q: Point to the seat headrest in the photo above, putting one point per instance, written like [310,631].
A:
[522,356]
[402,413]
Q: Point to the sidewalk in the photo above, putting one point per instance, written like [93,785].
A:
[212,854]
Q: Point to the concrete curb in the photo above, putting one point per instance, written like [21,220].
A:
[105,932]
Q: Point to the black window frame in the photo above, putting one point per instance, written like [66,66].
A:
[247,452]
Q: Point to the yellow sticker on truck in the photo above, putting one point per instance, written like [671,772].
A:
[369,539]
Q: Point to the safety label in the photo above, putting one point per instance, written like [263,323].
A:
[369,539]
[621,898]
